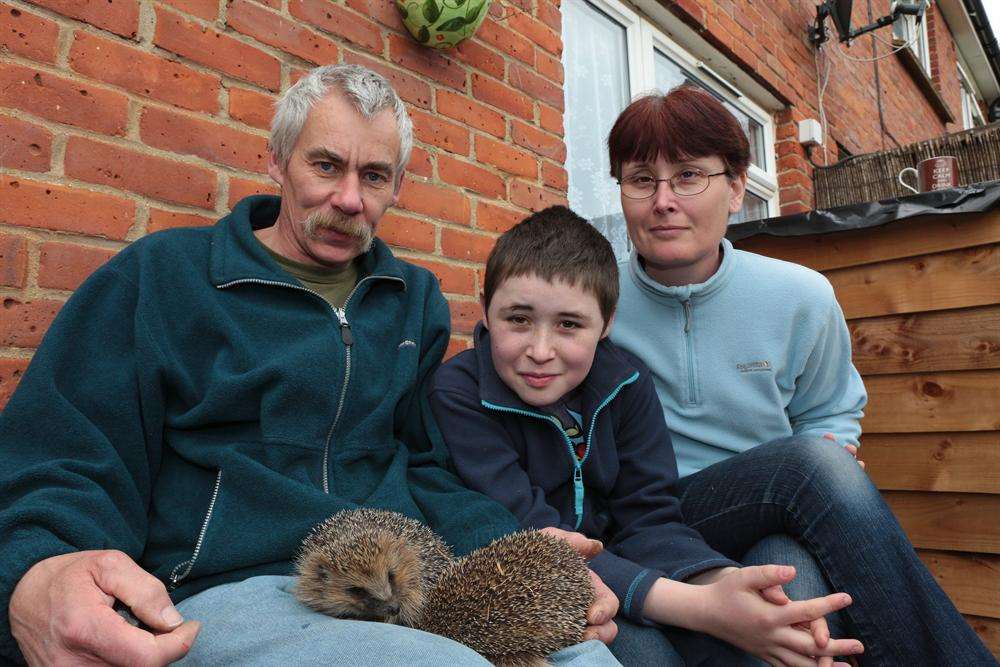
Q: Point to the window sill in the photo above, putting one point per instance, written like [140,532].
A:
[923,81]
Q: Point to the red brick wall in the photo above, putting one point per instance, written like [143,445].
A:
[122,117]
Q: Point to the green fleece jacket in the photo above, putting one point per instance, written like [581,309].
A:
[197,408]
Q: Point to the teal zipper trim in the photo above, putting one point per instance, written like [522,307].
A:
[692,386]
[578,489]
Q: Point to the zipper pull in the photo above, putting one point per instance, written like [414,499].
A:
[687,316]
[578,494]
[345,328]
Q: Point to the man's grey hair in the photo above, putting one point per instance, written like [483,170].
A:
[366,90]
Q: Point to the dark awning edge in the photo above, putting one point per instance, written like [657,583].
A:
[966,199]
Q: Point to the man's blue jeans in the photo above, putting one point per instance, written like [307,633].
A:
[814,491]
[259,623]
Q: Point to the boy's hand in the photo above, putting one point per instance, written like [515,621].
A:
[582,544]
[736,611]
[600,625]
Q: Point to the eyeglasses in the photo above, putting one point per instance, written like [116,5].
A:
[686,183]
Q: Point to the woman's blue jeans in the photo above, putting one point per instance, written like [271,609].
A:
[814,491]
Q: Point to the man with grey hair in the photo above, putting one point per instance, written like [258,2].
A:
[210,394]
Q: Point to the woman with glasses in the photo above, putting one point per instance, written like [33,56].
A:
[751,358]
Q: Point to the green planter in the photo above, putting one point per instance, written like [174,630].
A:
[441,24]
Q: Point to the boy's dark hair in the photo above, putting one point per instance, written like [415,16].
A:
[553,244]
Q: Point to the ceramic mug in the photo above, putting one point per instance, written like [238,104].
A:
[934,173]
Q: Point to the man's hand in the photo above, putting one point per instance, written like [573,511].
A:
[851,449]
[600,625]
[769,625]
[61,612]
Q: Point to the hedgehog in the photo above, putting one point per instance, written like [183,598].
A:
[514,601]
[370,564]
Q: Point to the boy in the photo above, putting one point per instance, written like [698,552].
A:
[549,418]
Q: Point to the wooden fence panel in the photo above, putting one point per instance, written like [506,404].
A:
[948,521]
[933,402]
[970,580]
[957,462]
[963,339]
[954,279]
[989,630]
[905,238]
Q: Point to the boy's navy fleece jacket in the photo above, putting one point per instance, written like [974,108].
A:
[518,455]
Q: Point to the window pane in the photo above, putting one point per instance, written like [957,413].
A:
[596,89]
[669,75]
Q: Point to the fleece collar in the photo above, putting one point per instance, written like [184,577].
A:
[679,293]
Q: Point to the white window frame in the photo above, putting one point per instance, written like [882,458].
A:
[642,37]
[971,111]
[906,30]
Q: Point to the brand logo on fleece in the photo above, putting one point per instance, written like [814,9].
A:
[753,366]
[407,343]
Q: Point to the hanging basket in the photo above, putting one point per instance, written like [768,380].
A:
[441,24]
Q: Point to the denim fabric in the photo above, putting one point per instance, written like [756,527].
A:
[259,623]
[663,646]
[814,491]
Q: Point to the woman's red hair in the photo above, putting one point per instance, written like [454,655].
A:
[686,123]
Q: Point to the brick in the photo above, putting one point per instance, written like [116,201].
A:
[535,86]
[537,141]
[555,176]
[160,219]
[465,315]
[64,209]
[67,265]
[494,218]
[24,145]
[551,119]
[409,87]
[251,107]
[534,197]
[406,232]
[144,73]
[470,176]
[434,201]
[470,112]
[406,53]
[273,29]
[63,100]
[240,188]
[13,261]
[212,141]
[502,96]
[339,21]
[455,345]
[143,174]
[118,16]
[23,323]
[420,163]
[467,246]
[550,15]
[11,371]
[509,158]
[453,279]
[474,54]
[27,34]
[211,48]
[380,10]
[441,133]
[537,32]
[204,9]
[508,41]
[549,67]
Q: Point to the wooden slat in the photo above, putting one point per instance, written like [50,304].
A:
[988,630]
[972,581]
[959,462]
[948,521]
[953,279]
[949,340]
[904,238]
[933,402]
